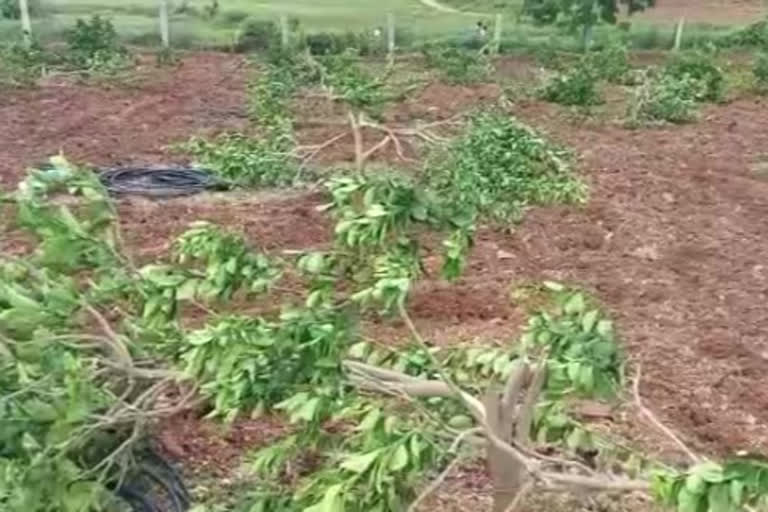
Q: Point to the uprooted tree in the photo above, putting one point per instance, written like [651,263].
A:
[273,156]
[93,351]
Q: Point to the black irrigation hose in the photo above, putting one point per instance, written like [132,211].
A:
[159,182]
[140,491]
[138,501]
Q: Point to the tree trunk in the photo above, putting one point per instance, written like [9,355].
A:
[508,475]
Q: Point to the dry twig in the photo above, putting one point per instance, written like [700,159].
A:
[657,423]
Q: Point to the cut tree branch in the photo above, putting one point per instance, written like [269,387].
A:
[516,467]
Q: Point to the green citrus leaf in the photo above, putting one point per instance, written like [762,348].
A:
[688,501]
[720,498]
[575,304]
[588,320]
[399,458]
[360,463]
[695,484]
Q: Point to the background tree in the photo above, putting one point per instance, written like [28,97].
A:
[581,14]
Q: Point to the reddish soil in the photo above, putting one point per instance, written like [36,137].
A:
[125,122]
[673,239]
[210,448]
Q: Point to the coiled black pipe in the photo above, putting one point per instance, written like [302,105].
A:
[153,485]
[159,182]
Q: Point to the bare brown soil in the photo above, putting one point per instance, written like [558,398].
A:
[673,239]
[124,122]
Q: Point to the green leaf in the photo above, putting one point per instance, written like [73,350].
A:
[40,411]
[360,463]
[662,488]
[576,439]
[720,498]
[460,421]
[695,484]
[575,304]
[553,286]
[187,290]
[29,443]
[376,210]
[313,262]
[574,371]
[588,320]
[544,338]
[500,363]
[307,410]
[688,501]
[709,472]
[416,446]
[399,458]
[359,350]
[390,423]
[737,491]
[605,328]
[370,420]
[332,501]
[17,299]
[587,378]
[79,497]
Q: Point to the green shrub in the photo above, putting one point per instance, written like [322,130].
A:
[94,44]
[543,12]
[255,34]
[364,43]
[755,35]
[701,66]
[575,87]
[457,66]
[610,63]
[665,98]
[760,70]
[22,65]
[499,166]
[234,17]
[323,44]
